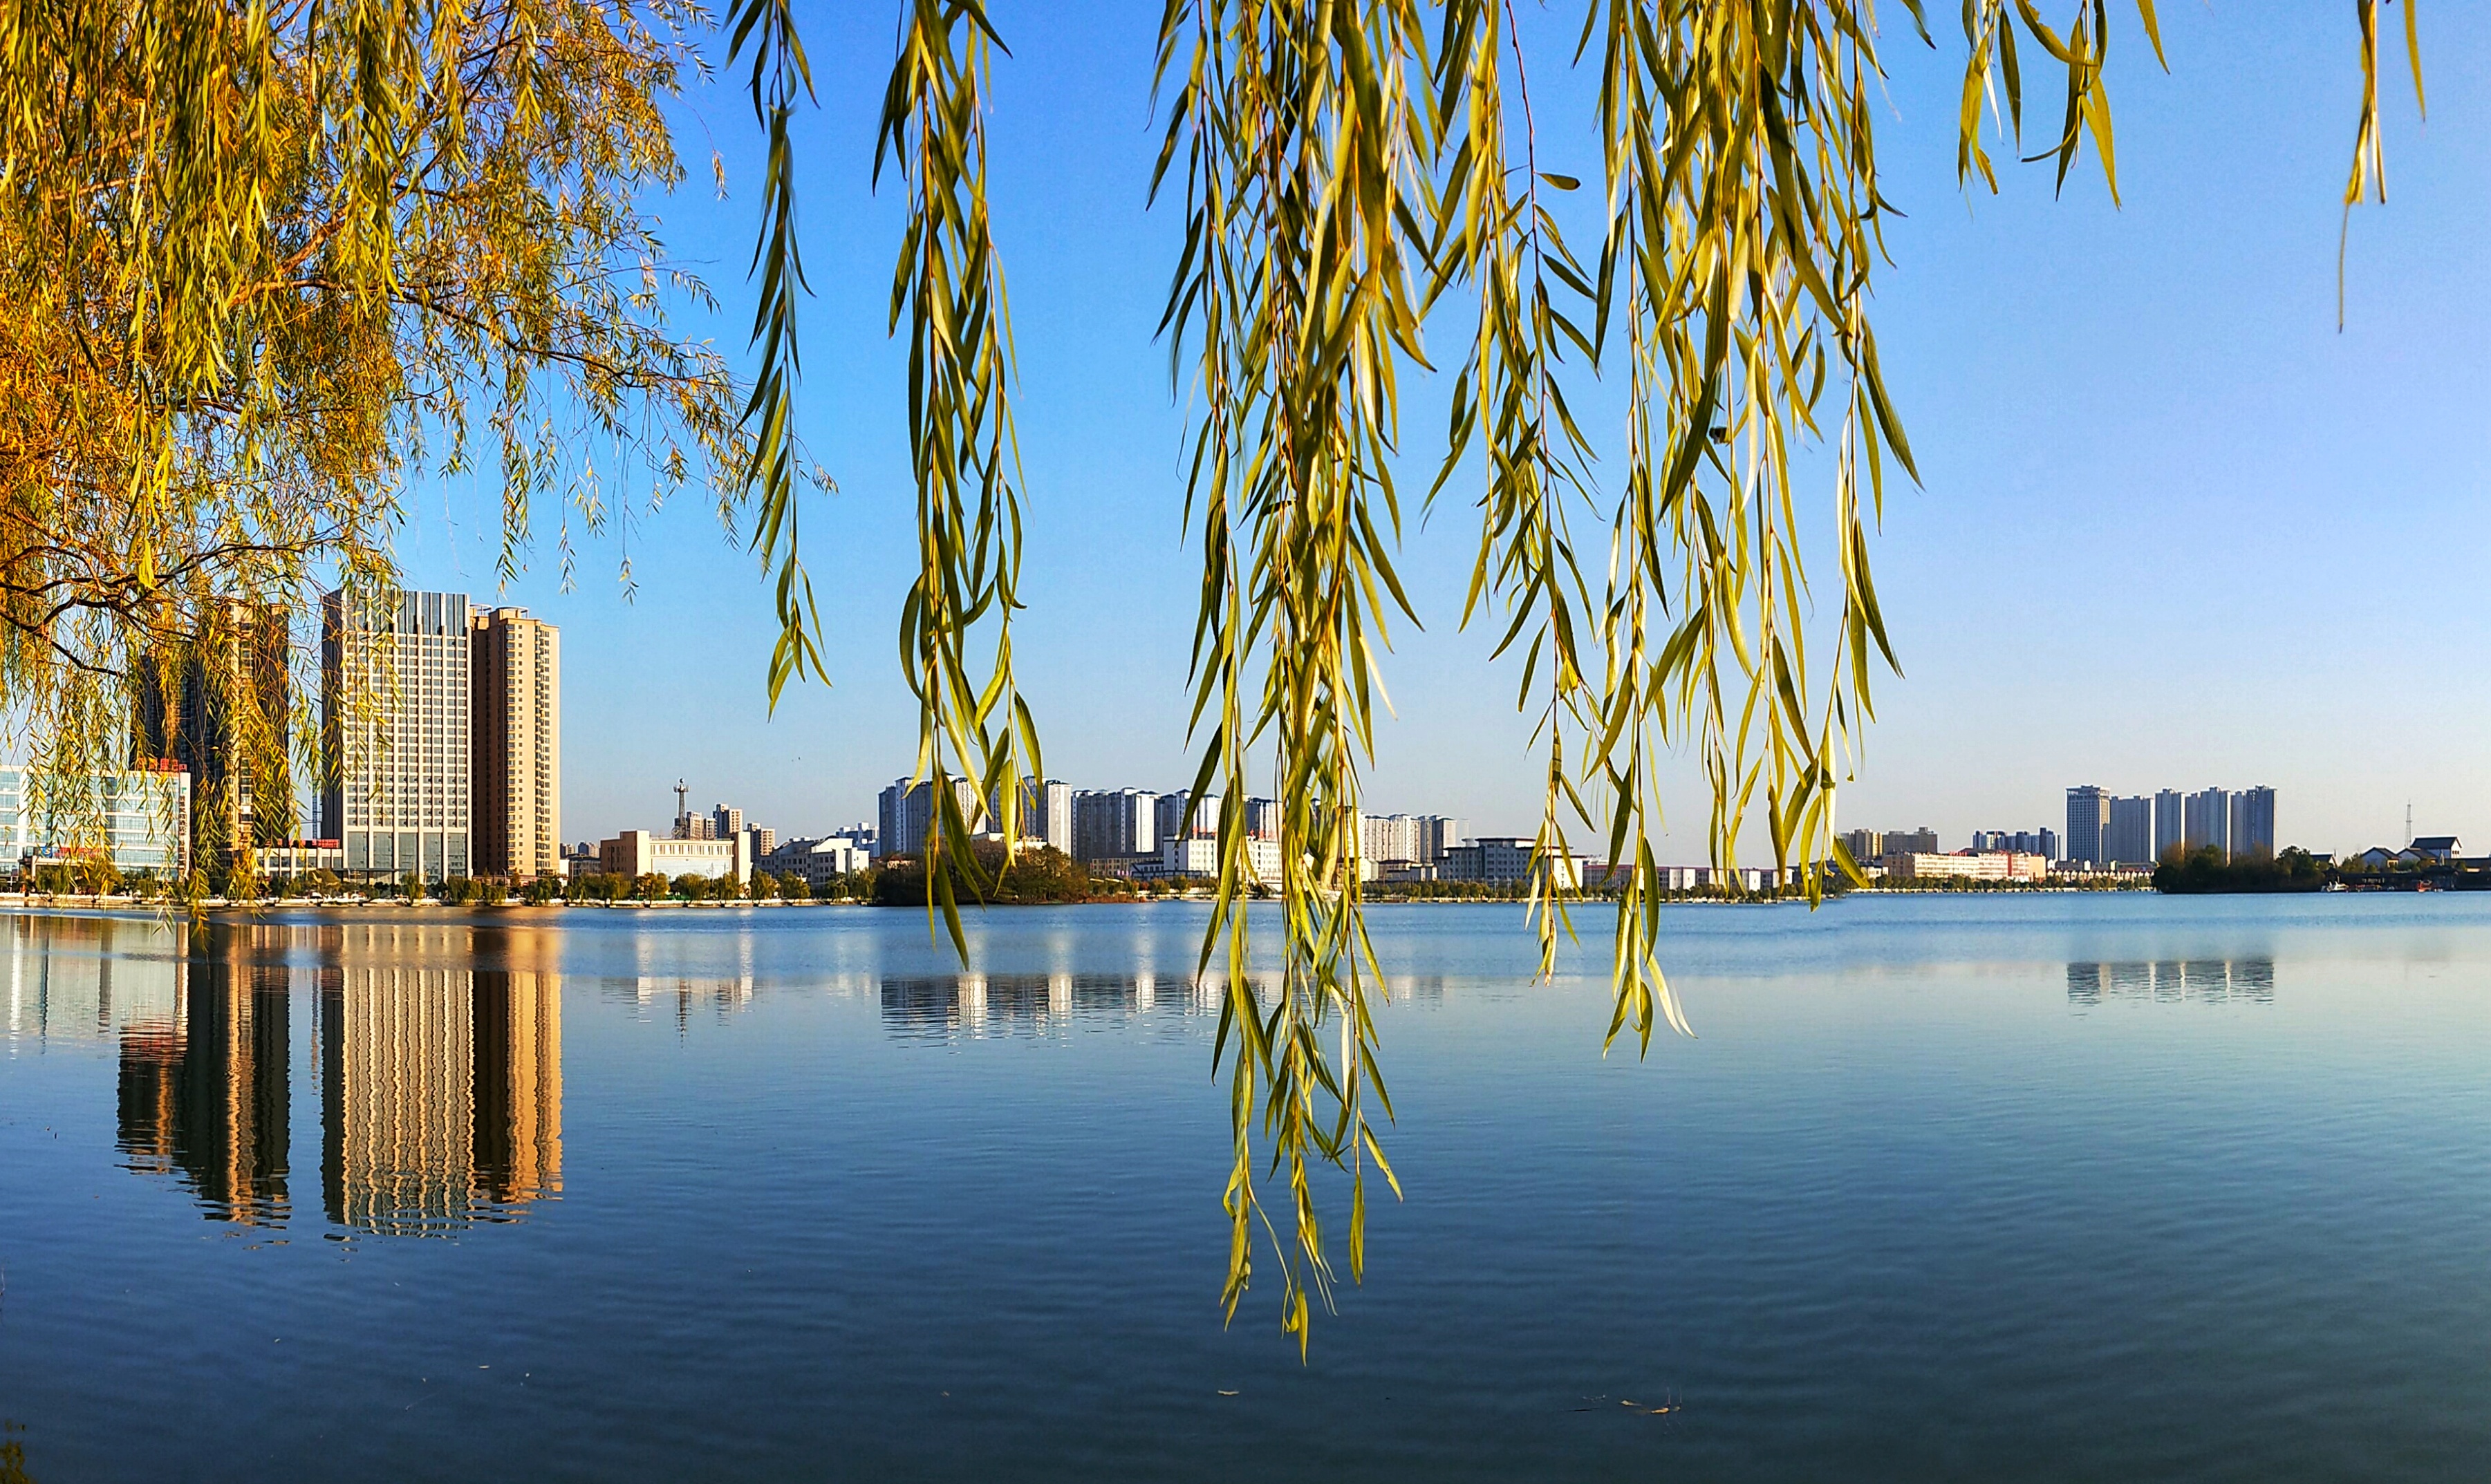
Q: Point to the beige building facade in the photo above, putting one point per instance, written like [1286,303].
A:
[515,700]
[640,853]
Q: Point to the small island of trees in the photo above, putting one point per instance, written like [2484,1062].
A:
[2204,871]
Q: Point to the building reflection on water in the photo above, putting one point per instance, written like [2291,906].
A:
[948,1005]
[2173,981]
[440,1084]
[204,1093]
[435,1052]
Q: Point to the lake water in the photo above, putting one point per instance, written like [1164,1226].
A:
[2052,1187]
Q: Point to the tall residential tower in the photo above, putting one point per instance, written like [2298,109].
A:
[220,709]
[2088,816]
[2128,837]
[2252,823]
[394,707]
[516,727]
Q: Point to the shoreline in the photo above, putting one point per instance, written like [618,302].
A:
[123,906]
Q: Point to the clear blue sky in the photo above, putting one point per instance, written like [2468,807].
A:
[2176,529]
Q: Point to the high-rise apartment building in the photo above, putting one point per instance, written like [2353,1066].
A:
[2251,823]
[2128,836]
[1388,837]
[2170,823]
[1170,821]
[221,710]
[1263,818]
[1421,838]
[725,823]
[515,731]
[908,818]
[395,702]
[1922,841]
[1046,813]
[1116,822]
[1864,845]
[2088,816]
[2206,819]
[2043,843]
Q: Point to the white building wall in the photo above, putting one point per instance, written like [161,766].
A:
[640,853]
[395,702]
[1199,855]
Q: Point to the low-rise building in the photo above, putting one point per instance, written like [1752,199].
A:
[820,862]
[1503,860]
[137,820]
[1199,855]
[1984,865]
[2437,848]
[1704,878]
[294,859]
[641,852]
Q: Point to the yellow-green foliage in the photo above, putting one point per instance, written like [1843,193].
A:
[259,263]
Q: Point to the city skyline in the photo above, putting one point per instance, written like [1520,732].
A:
[2184,386]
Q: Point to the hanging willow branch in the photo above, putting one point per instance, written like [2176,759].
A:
[1345,167]
[259,255]
[949,285]
[766,29]
[1304,146]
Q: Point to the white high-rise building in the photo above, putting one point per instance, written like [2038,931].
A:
[1046,813]
[517,725]
[394,707]
[1389,837]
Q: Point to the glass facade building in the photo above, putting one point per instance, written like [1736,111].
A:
[139,820]
[394,712]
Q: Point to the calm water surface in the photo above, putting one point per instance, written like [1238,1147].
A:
[1967,1188]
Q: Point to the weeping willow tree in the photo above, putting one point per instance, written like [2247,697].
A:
[270,261]
[266,262]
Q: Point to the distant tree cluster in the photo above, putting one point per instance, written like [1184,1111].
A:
[2204,871]
[1033,876]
